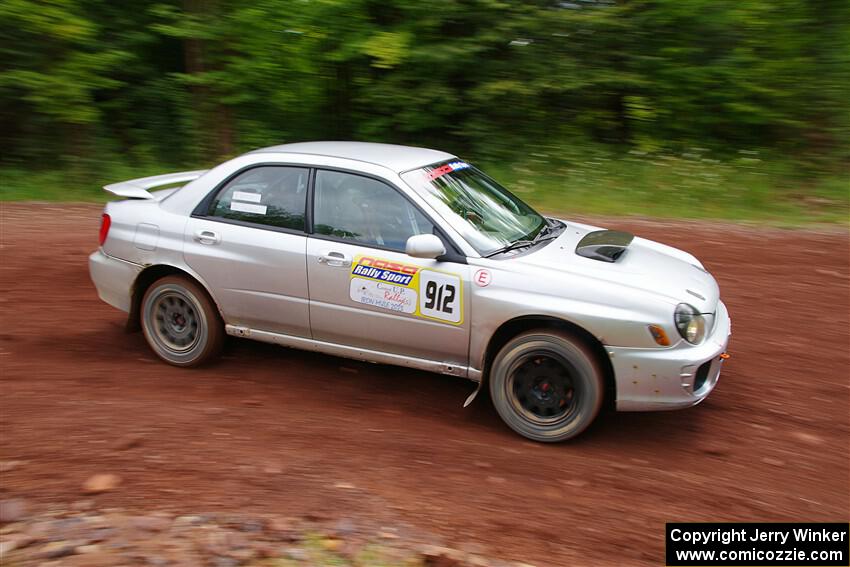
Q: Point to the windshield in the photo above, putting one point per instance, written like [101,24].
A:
[486,214]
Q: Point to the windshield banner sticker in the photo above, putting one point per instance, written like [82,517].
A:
[405,288]
[448,168]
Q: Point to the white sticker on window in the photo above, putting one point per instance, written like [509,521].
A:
[439,296]
[250,197]
[383,295]
[247,208]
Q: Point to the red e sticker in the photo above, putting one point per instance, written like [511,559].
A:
[482,278]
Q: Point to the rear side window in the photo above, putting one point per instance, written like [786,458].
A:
[269,195]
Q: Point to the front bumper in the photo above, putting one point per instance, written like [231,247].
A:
[670,378]
[113,279]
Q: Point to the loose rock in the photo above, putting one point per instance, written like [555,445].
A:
[9,466]
[101,483]
[57,549]
[90,548]
[808,437]
[151,523]
[344,527]
[109,537]
[295,553]
[129,442]
[332,544]
[12,510]
[82,505]
[242,555]
[7,546]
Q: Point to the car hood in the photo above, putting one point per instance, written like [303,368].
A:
[645,265]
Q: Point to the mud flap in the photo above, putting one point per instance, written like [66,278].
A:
[473,394]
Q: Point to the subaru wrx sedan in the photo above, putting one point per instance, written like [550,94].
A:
[416,258]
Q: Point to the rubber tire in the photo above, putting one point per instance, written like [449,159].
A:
[589,378]
[210,324]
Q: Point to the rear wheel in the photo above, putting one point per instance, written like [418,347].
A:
[546,385]
[180,322]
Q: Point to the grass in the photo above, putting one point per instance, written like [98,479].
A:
[67,186]
[688,186]
[691,185]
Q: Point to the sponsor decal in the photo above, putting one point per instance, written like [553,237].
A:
[386,296]
[384,270]
[382,275]
[448,168]
[482,278]
[405,288]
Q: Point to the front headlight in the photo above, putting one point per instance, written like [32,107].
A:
[690,323]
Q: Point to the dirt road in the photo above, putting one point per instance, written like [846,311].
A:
[274,430]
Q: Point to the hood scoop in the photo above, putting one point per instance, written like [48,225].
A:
[604,245]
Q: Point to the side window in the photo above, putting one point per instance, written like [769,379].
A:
[270,195]
[364,210]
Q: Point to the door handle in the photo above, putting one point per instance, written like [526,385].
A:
[207,237]
[335,259]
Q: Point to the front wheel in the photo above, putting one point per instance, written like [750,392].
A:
[546,385]
[180,322]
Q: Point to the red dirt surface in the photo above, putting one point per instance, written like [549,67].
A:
[274,430]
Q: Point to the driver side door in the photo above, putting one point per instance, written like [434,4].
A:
[365,291]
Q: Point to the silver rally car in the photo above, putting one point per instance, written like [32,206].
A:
[412,257]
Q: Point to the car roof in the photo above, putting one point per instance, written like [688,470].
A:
[396,158]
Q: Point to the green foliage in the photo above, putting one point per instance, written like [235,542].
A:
[183,83]
[590,180]
[693,184]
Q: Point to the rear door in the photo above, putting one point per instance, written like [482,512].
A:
[249,243]
[365,291]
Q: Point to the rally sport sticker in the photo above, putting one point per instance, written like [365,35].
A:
[407,289]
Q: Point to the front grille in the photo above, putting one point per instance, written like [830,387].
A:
[702,376]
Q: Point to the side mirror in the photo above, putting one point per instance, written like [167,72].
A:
[424,246]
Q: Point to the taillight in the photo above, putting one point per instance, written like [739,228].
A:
[105,223]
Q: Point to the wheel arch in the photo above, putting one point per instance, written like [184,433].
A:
[146,278]
[513,327]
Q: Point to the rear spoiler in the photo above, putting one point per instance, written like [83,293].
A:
[138,188]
